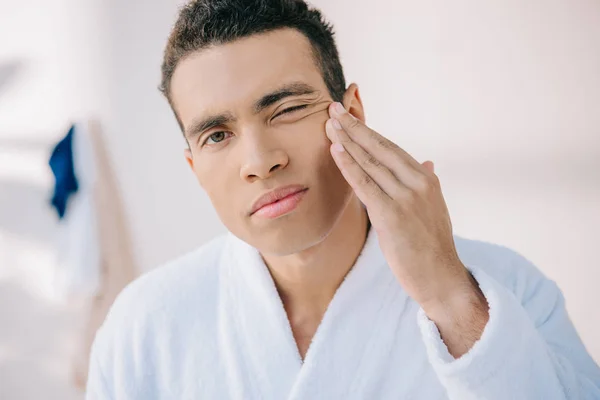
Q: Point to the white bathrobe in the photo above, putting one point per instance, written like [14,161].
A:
[211,325]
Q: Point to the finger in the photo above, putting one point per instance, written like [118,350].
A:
[402,164]
[368,138]
[367,190]
[429,166]
[382,176]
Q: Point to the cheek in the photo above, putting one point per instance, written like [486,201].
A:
[311,151]
[317,155]
[312,145]
[320,155]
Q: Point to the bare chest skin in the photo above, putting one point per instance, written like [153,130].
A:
[304,329]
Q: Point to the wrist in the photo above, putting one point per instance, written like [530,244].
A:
[459,295]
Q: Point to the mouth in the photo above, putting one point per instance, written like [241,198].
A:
[278,202]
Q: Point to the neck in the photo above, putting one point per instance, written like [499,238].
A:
[308,280]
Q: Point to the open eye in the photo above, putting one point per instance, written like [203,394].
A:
[291,109]
[216,137]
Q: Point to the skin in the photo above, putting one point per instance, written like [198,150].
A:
[311,249]
[407,209]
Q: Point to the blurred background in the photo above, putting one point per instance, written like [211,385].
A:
[503,95]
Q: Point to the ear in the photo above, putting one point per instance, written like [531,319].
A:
[187,153]
[353,103]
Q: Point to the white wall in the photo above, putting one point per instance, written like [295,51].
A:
[167,211]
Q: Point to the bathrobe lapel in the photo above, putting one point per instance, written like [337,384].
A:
[352,330]
[257,337]
[261,356]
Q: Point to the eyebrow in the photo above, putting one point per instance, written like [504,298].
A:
[267,100]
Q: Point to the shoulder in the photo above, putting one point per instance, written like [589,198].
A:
[170,288]
[507,266]
[153,320]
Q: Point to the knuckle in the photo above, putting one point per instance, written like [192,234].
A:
[435,181]
[373,190]
[352,122]
[345,140]
[422,184]
[409,197]
[371,162]
[365,180]
[426,184]
[385,143]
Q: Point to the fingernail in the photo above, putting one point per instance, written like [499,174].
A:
[337,147]
[336,124]
[339,108]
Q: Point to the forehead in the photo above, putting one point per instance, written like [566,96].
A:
[235,74]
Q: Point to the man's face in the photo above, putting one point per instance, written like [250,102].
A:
[248,150]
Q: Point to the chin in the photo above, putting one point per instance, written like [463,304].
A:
[289,234]
[298,233]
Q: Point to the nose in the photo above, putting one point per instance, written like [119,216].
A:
[262,160]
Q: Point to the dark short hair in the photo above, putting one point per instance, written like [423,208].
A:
[203,23]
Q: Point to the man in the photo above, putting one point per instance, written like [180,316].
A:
[340,277]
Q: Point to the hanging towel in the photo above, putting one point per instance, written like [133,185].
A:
[77,271]
[211,325]
[62,166]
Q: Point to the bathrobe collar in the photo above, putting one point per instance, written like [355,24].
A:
[259,340]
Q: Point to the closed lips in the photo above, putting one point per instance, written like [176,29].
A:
[275,195]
